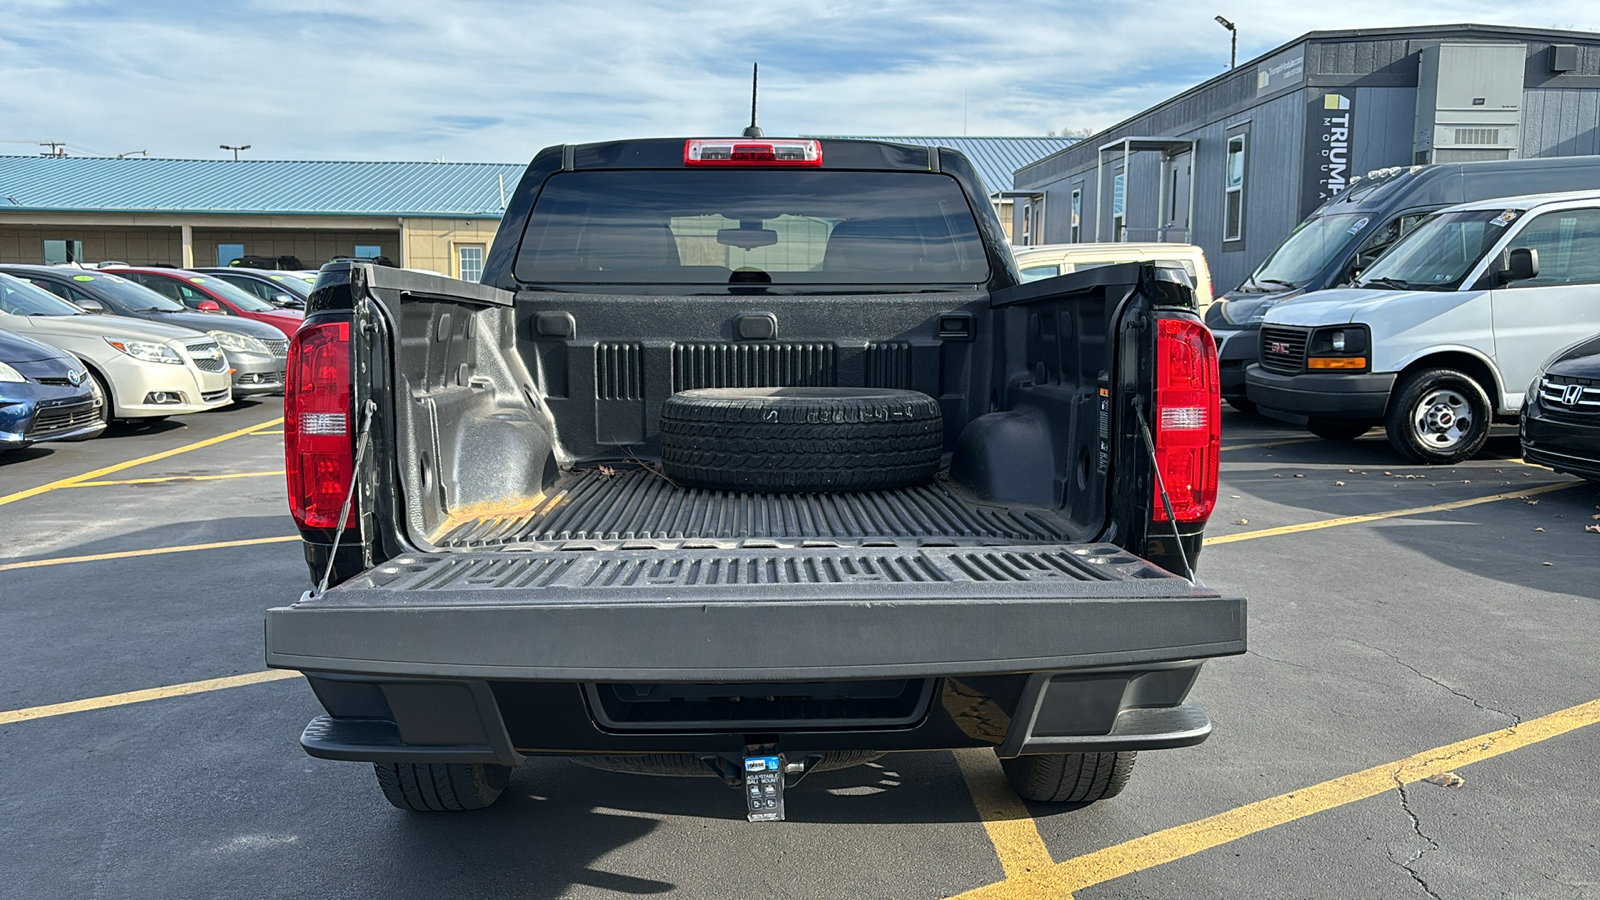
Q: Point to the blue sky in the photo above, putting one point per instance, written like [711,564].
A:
[495,81]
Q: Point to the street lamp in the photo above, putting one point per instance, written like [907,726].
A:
[1233,53]
[235,149]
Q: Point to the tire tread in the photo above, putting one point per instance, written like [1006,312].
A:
[1070,777]
[441,787]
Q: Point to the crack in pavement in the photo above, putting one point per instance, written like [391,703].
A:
[1410,865]
[1430,844]
[1294,665]
[1516,718]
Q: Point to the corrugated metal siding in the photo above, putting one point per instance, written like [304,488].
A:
[995,158]
[1385,122]
[90,184]
[1560,122]
[1273,162]
[1361,57]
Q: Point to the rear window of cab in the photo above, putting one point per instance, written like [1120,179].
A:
[751,226]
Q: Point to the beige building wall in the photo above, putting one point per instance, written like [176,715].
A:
[435,244]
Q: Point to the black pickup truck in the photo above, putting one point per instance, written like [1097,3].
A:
[750,458]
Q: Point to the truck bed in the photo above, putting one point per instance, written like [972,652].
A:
[638,505]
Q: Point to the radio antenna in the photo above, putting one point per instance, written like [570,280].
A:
[754,131]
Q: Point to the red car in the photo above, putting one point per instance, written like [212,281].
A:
[208,293]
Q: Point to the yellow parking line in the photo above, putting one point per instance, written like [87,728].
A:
[1023,855]
[1390,514]
[11,716]
[279,431]
[174,478]
[1278,443]
[153,551]
[1186,840]
[107,470]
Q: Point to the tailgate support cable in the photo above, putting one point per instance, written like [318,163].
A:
[350,495]
[1161,485]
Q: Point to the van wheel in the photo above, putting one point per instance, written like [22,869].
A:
[1338,429]
[1069,777]
[441,787]
[1438,417]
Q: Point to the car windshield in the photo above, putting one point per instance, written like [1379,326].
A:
[293,285]
[237,296]
[752,226]
[1309,248]
[20,298]
[1440,252]
[130,294]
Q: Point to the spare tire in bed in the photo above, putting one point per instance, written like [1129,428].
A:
[795,439]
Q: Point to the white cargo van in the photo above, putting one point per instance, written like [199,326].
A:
[1444,331]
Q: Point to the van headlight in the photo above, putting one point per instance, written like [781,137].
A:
[243,343]
[147,351]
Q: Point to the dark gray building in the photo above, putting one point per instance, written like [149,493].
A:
[1235,163]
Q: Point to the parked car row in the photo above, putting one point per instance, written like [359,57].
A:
[82,347]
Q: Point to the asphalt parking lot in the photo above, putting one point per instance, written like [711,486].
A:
[1406,623]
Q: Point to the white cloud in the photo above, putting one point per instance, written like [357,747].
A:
[488,80]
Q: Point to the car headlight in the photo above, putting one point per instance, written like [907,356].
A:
[9,374]
[244,343]
[147,351]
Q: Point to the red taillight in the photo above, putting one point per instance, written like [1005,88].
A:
[317,443]
[1188,420]
[751,152]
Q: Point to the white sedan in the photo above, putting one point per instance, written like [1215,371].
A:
[144,369]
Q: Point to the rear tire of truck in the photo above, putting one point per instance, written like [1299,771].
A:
[1069,777]
[441,787]
[1438,417]
[799,439]
[1338,429]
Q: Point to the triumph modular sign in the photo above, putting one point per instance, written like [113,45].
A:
[1330,125]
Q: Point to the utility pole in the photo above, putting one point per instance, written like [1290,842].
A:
[1233,52]
[57,149]
[235,149]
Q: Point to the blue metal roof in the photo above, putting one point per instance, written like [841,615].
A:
[257,187]
[995,158]
[327,188]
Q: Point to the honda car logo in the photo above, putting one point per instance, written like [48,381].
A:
[1278,347]
[1571,394]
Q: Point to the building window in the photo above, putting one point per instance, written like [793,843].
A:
[1119,196]
[368,251]
[227,253]
[1027,224]
[57,252]
[469,262]
[1233,206]
[1076,230]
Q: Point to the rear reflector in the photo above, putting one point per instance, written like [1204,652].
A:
[751,152]
[319,453]
[1188,422]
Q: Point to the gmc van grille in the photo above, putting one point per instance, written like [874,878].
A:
[1283,350]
